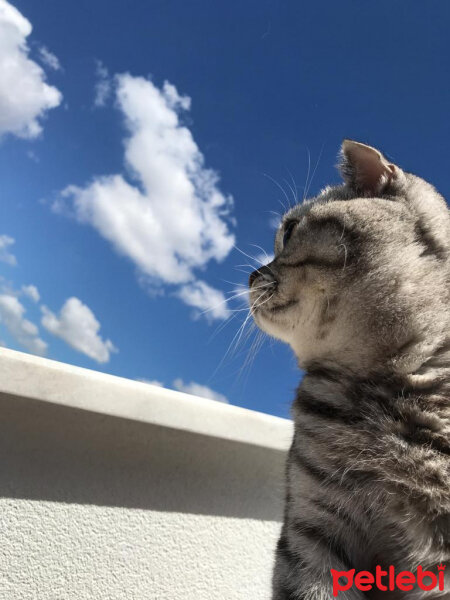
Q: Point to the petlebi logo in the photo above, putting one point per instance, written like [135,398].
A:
[388,580]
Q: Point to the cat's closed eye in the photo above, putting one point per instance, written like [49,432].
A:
[288,231]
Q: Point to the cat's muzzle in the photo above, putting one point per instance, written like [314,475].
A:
[263,285]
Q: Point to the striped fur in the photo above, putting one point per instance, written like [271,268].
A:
[368,472]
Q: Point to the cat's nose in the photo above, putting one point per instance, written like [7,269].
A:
[265,272]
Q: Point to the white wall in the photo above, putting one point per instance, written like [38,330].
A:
[107,507]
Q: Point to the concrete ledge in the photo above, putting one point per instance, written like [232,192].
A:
[46,380]
[113,489]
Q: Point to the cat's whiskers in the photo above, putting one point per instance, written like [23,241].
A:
[285,209]
[253,351]
[246,265]
[292,191]
[221,326]
[234,313]
[264,252]
[307,174]
[239,332]
[328,304]
[243,271]
[345,255]
[253,307]
[294,186]
[236,283]
[232,345]
[314,172]
[251,267]
[253,258]
[236,295]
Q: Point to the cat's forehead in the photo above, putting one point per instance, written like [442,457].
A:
[340,200]
[317,204]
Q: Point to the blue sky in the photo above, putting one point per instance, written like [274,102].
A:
[125,198]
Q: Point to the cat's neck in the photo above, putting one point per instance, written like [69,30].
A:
[343,386]
[408,370]
[333,395]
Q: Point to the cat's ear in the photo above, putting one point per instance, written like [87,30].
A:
[365,169]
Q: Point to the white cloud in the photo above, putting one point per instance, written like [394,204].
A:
[193,388]
[199,390]
[173,218]
[264,258]
[49,59]
[5,255]
[152,382]
[210,302]
[25,332]
[24,95]
[78,327]
[32,292]
[103,87]
[274,221]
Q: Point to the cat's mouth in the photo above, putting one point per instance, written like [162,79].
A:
[269,308]
[277,308]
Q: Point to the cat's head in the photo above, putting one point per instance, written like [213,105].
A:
[361,274]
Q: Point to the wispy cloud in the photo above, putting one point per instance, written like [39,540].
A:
[175,219]
[151,382]
[209,301]
[49,59]
[25,96]
[275,221]
[5,255]
[196,389]
[77,325]
[12,315]
[103,86]
[199,390]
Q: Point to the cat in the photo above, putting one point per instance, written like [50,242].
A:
[359,287]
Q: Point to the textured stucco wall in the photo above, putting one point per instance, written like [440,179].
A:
[99,507]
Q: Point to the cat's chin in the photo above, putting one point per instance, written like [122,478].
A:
[275,320]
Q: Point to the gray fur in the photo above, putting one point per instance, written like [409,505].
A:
[361,293]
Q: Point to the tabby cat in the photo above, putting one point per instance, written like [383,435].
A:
[360,289]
